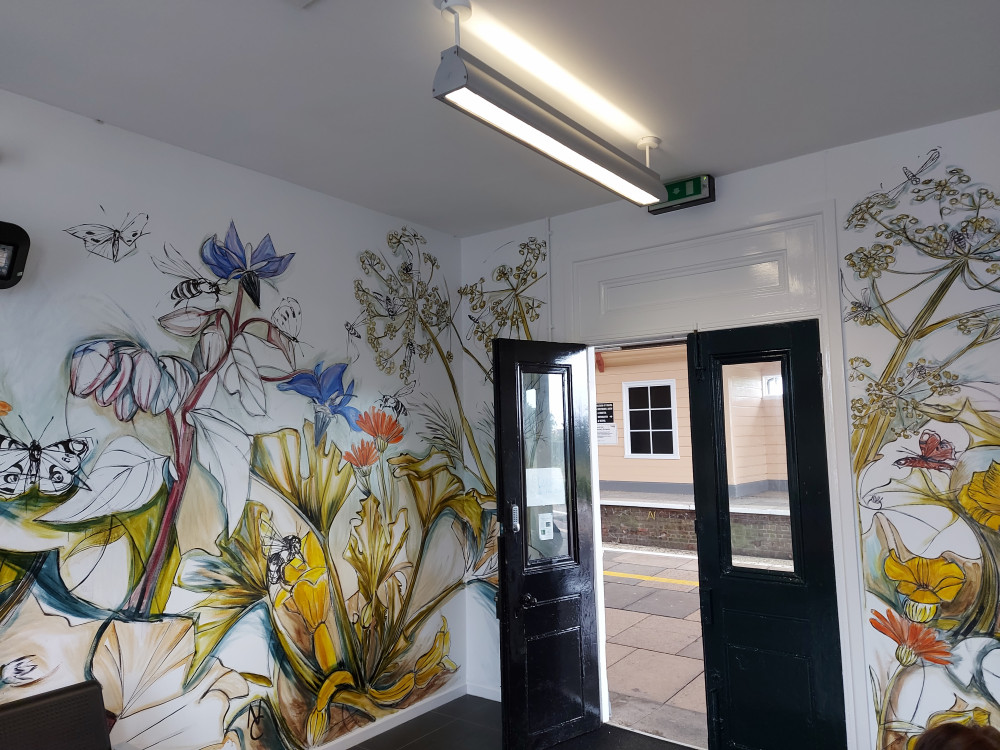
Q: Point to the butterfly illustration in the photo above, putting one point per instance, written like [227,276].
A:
[110,242]
[935,453]
[287,318]
[53,468]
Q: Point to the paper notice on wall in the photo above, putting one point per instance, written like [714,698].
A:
[544,486]
[607,434]
[545,527]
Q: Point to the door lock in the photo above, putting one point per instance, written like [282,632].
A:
[515,518]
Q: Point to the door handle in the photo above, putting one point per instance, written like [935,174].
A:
[527,600]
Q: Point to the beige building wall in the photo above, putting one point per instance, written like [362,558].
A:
[648,363]
[755,432]
[755,429]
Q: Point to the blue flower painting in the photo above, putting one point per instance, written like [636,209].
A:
[329,397]
[229,261]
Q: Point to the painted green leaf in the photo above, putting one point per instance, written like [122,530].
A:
[234,582]
[435,490]
[322,492]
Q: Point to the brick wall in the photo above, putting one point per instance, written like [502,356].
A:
[753,534]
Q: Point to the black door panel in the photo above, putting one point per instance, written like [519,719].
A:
[771,640]
[548,618]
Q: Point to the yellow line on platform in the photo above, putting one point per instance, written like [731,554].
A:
[649,578]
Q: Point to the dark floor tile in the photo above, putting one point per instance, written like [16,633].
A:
[609,737]
[663,602]
[473,709]
[459,735]
[405,734]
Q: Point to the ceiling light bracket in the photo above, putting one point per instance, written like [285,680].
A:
[459,10]
[647,143]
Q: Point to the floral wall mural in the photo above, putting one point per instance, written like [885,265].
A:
[251,539]
[316,605]
[922,322]
[256,526]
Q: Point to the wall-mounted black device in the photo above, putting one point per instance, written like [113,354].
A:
[14,245]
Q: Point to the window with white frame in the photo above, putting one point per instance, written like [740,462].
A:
[650,408]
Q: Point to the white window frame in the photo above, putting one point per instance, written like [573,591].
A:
[673,418]
[765,393]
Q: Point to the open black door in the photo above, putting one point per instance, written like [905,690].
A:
[771,641]
[548,618]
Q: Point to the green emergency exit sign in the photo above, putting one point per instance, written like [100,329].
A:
[691,191]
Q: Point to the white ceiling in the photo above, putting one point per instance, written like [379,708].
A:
[337,96]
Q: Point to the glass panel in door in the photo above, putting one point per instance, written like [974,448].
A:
[757,465]
[546,464]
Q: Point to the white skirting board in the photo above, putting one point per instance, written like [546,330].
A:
[490,692]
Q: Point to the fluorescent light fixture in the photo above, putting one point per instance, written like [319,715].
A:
[473,87]
[535,63]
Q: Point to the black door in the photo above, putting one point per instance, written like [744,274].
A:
[769,607]
[548,624]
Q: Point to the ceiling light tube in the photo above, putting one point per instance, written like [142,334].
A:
[473,87]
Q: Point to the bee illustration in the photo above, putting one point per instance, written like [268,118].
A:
[394,402]
[411,349]
[351,326]
[958,242]
[280,550]
[193,284]
[393,305]
[913,178]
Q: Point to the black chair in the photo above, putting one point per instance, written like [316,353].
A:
[70,718]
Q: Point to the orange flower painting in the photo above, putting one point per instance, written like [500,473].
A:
[915,641]
[362,455]
[381,426]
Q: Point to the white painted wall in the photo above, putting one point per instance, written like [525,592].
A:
[821,187]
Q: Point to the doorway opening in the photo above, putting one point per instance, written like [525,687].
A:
[653,635]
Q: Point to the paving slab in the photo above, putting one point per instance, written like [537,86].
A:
[651,675]
[667,635]
[646,558]
[620,595]
[626,580]
[694,616]
[691,696]
[661,602]
[677,724]
[694,651]
[641,570]
[678,573]
[617,652]
[663,585]
[626,710]
[616,620]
